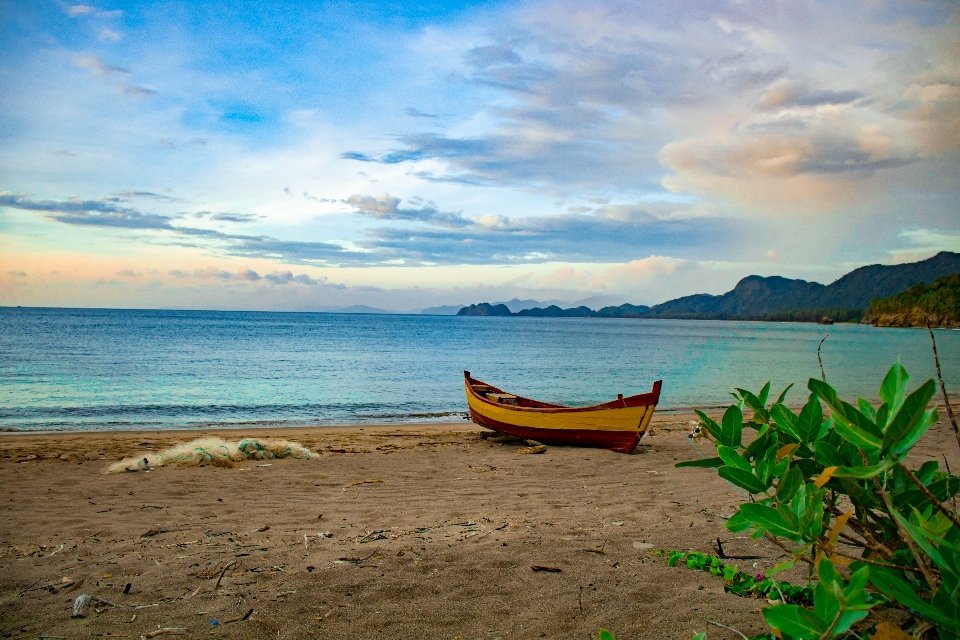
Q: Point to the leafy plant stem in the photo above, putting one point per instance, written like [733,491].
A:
[943,389]
[871,542]
[723,626]
[829,632]
[874,562]
[944,509]
[905,536]
[793,552]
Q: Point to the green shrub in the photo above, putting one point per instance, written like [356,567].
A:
[821,480]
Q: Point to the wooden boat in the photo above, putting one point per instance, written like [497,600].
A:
[616,425]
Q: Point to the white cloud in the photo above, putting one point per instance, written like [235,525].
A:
[96,66]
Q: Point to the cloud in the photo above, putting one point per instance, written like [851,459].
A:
[416,113]
[87,10]
[923,243]
[286,277]
[248,274]
[209,273]
[386,207]
[610,234]
[226,217]
[97,67]
[17,274]
[723,96]
[491,56]
[109,35]
[150,195]
[307,196]
[136,92]
[787,93]
[76,211]
[129,273]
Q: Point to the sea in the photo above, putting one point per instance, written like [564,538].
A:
[107,369]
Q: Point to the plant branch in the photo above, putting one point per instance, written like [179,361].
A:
[943,389]
[944,509]
[853,542]
[793,552]
[823,376]
[905,535]
[864,531]
[829,632]
[723,626]
[874,562]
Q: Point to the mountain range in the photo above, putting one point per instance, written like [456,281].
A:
[769,298]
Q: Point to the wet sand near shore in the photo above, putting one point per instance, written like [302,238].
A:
[438,544]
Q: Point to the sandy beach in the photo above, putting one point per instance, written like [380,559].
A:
[438,544]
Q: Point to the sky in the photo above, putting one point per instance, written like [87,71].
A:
[403,155]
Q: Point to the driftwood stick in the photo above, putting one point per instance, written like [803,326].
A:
[20,595]
[225,567]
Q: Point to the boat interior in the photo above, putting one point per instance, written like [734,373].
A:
[493,394]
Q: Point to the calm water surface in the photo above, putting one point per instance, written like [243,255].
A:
[78,369]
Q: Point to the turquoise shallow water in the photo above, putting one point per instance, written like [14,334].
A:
[77,369]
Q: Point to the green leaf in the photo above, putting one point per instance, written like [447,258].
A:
[862,473]
[786,422]
[766,464]
[911,414]
[925,540]
[925,472]
[770,519]
[743,479]
[750,400]
[789,484]
[828,596]
[891,583]
[783,394]
[893,387]
[734,459]
[906,443]
[827,454]
[731,431]
[606,635]
[867,409]
[810,420]
[738,522]
[712,427]
[883,416]
[852,425]
[710,463]
[794,620]
[700,636]
[764,394]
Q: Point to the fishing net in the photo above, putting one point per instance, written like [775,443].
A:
[214,451]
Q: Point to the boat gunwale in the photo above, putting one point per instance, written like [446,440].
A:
[634,401]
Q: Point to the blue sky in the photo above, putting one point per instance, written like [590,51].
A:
[319,155]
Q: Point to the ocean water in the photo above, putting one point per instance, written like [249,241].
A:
[82,369]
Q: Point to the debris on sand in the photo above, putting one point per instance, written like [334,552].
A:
[214,451]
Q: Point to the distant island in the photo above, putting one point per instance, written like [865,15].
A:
[771,298]
[937,305]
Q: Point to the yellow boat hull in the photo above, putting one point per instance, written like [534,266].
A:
[616,425]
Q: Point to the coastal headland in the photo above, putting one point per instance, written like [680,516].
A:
[394,531]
